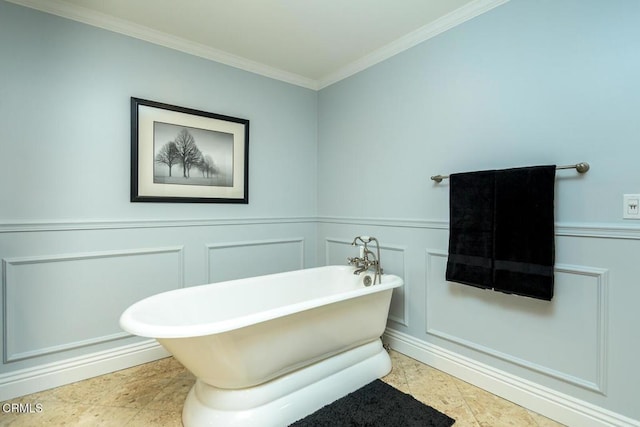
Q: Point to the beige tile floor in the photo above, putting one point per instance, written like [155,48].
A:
[153,394]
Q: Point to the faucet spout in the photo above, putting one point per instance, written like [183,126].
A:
[360,269]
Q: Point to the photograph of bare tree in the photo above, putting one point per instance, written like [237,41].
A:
[189,156]
[184,155]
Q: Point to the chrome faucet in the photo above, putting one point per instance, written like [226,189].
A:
[367,258]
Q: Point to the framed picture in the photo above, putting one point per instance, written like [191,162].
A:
[183,155]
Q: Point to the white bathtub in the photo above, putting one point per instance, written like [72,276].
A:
[269,350]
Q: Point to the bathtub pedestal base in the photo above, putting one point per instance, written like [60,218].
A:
[290,397]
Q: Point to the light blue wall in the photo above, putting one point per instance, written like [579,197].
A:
[530,82]
[66,123]
[75,252]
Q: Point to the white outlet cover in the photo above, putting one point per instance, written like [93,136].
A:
[631,206]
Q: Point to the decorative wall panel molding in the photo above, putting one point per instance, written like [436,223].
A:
[536,326]
[43,297]
[255,258]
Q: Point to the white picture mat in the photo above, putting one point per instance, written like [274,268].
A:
[147,115]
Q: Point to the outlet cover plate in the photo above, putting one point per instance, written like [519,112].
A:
[631,206]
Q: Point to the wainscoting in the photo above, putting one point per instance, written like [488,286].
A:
[570,359]
[65,285]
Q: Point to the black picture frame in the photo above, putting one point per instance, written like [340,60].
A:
[184,155]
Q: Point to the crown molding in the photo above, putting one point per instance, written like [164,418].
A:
[127,28]
[446,22]
[110,23]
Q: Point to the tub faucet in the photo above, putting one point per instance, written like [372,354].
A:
[367,258]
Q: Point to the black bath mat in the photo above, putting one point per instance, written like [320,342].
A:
[376,405]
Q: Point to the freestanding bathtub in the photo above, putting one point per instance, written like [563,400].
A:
[270,350]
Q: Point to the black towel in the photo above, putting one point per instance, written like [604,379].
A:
[524,249]
[471,228]
[502,230]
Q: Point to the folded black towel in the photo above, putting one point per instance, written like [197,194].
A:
[471,228]
[524,250]
[502,230]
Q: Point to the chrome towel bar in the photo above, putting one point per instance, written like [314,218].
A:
[581,167]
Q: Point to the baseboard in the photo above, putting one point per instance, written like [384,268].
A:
[543,400]
[43,377]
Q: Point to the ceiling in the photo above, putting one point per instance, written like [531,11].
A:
[311,43]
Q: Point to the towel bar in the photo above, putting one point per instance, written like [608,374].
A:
[581,167]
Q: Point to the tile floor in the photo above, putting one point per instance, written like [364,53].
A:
[153,394]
